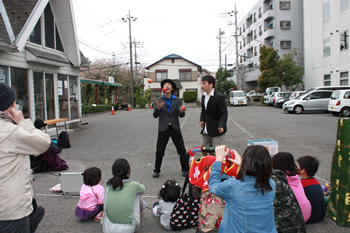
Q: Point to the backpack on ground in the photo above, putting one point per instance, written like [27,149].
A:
[53,161]
[63,140]
[38,164]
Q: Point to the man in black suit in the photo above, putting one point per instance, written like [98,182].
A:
[168,109]
[213,117]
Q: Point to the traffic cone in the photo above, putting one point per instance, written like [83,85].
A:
[112,110]
[150,106]
[129,107]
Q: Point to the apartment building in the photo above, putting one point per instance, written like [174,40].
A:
[326,43]
[274,23]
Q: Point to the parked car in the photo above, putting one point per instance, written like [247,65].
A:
[281,101]
[252,94]
[238,98]
[280,95]
[340,103]
[312,101]
[269,92]
[295,94]
[272,99]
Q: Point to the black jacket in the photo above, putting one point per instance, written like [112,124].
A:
[215,115]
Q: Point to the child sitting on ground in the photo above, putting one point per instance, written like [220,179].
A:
[91,200]
[170,192]
[284,161]
[308,167]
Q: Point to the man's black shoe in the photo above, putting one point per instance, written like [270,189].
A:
[155,174]
[184,173]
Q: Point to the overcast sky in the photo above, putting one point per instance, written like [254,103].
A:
[188,28]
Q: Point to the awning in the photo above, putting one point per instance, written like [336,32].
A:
[177,82]
[100,82]
[45,57]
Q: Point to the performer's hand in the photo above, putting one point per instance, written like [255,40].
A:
[160,104]
[221,152]
[182,108]
[221,130]
[201,124]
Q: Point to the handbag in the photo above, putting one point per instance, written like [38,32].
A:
[185,211]
[211,211]
[110,227]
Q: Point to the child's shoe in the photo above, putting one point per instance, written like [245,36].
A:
[98,217]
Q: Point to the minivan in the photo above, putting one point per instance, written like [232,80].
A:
[340,103]
[316,100]
[238,98]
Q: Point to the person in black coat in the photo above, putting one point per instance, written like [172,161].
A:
[168,109]
[213,118]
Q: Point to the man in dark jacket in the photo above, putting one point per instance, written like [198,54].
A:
[214,115]
[168,109]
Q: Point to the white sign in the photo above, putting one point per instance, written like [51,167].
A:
[111,79]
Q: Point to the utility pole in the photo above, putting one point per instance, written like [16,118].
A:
[129,18]
[237,56]
[136,44]
[220,33]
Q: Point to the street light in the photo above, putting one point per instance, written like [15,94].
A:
[129,19]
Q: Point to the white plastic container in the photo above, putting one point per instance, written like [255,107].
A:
[270,144]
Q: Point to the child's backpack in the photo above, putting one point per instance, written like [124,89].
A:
[63,140]
[54,162]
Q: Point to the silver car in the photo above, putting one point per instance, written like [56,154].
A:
[311,101]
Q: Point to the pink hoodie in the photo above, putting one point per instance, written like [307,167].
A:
[305,206]
[90,197]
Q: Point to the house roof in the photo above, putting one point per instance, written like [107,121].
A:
[19,17]
[174,56]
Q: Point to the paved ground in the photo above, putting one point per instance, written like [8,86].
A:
[132,135]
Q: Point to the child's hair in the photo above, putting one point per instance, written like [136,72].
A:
[210,79]
[92,176]
[170,191]
[256,161]
[284,161]
[120,171]
[309,163]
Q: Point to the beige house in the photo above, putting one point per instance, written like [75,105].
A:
[186,74]
[40,58]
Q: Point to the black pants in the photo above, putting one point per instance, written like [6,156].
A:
[163,138]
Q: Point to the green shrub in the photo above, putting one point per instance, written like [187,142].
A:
[190,96]
[88,109]
[262,99]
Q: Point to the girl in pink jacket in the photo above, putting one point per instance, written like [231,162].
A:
[284,161]
[91,200]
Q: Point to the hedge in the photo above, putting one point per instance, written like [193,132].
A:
[190,96]
[87,109]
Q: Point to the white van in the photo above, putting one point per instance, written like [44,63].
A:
[269,92]
[340,103]
[238,98]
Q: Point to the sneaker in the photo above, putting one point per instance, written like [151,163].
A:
[155,174]
[98,217]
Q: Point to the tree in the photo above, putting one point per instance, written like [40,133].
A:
[223,85]
[276,71]
[268,66]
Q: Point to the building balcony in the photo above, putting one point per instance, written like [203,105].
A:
[269,33]
[270,14]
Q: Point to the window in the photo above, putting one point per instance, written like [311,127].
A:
[327,80]
[326,11]
[344,40]
[245,57]
[260,13]
[327,47]
[285,5]
[254,19]
[344,79]
[344,4]
[185,75]
[240,45]
[35,36]
[20,85]
[347,95]
[243,42]
[161,75]
[244,27]
[255,51]
[255,34]
[285,24]
[260,30]
[287,44]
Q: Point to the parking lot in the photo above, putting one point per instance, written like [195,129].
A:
[132,135]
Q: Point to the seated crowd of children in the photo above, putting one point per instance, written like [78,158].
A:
[268,186]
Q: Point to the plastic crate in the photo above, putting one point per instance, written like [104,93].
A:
[270,144]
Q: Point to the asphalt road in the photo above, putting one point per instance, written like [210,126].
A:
[132,135]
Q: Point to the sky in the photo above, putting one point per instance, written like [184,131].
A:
[188,28]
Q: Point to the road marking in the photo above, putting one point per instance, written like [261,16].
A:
[243,129]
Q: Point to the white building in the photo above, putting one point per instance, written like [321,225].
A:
[274,23]
[185,73]
[326,43]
